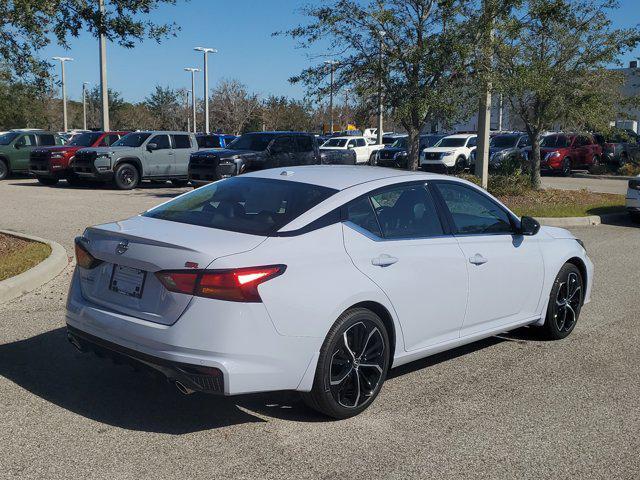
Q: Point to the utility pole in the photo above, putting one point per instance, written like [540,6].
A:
[193,95]
[63,60]
[331,64]
[205,51]
[484,112]
[84,105]
[104,90]
[382,33]
[186,109]
[346,106]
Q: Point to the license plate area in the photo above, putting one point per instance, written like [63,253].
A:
[127,281]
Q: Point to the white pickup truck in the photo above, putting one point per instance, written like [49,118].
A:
[362,147]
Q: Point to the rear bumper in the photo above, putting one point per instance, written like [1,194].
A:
[238,339]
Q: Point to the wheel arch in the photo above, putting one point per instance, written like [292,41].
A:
[5,159]
[135,161]
[579,263]
[387,320]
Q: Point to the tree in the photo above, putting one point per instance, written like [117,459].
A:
[27,26]
[233,109]
[282,113]
[427,51]
[166,108]
[552,59]
[94,106]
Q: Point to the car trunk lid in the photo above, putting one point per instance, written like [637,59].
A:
[125,282]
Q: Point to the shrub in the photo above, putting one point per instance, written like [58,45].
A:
[499,185]
[630,169]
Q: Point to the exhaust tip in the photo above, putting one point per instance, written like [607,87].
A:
[183,390]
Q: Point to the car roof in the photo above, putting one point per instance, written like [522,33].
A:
[168,132]
[338,177]
[462,135]
[346,137]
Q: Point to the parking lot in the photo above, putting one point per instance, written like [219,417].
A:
[509,406]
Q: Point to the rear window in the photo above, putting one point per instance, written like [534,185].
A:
[208,141]
[181,141]
[257,206]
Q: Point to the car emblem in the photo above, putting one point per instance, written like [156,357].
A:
[122,247]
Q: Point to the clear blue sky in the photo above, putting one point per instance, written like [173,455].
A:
[240,30]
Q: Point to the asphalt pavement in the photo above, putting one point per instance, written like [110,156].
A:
[511,406]
[594,184]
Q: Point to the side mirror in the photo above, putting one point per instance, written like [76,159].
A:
[152,146]
[528,226]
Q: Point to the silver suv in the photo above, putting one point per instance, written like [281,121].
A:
[139,156]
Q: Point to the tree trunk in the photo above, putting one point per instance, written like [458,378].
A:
[413,149]
[534,160]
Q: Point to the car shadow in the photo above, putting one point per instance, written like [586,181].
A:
[49,367]
[619,220]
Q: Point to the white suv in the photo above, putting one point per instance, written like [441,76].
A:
[452,152]
[633,199]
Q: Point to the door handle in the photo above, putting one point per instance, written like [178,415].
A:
[478,259]
[383,260]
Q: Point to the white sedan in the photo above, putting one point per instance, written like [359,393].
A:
[318,279]
[362,147]
[452,152]
[633,199]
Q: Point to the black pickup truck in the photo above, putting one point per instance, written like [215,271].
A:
[260,150]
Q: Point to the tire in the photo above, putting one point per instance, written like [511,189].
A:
[179,183]
[4,169]
[565,302]
[342,358]
[460,165]
[372,159]
[595,161]
[565,169]
[126,176]
[635,217]
[50,182]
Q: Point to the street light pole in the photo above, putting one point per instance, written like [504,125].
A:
[382,33]
[104,90]
[63,60]
[193,95]
[346,106]
[331,63]
[484,111]
[206,51]
[84,105]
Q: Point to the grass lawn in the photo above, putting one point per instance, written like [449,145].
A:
[563,203]
[18,255]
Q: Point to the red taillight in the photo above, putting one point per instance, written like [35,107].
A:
[83,258]
[237,285]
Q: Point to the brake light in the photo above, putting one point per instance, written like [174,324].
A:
[234,285]
[83,258]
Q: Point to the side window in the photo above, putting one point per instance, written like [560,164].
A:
[109,139]
[361,213]
[46,140]
[352,143]
[473,212]
[524,142]
[473,141]
[162,141]
[361,142]
[304,143]
[26,141]
[181,141]
[406,212]
[281,145]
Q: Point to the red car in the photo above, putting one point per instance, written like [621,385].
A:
[562,153]
[51,164]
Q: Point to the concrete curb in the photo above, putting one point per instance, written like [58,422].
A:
[590,221]
[37,276]
[603,177]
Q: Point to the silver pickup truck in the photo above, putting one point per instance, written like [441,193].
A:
[156,155]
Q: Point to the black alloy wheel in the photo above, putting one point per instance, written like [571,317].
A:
[126,176]
[353,365]
[565,303]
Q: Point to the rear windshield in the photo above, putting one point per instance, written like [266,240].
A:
[208,141]
[134,139]
[257,206]
[84,139]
